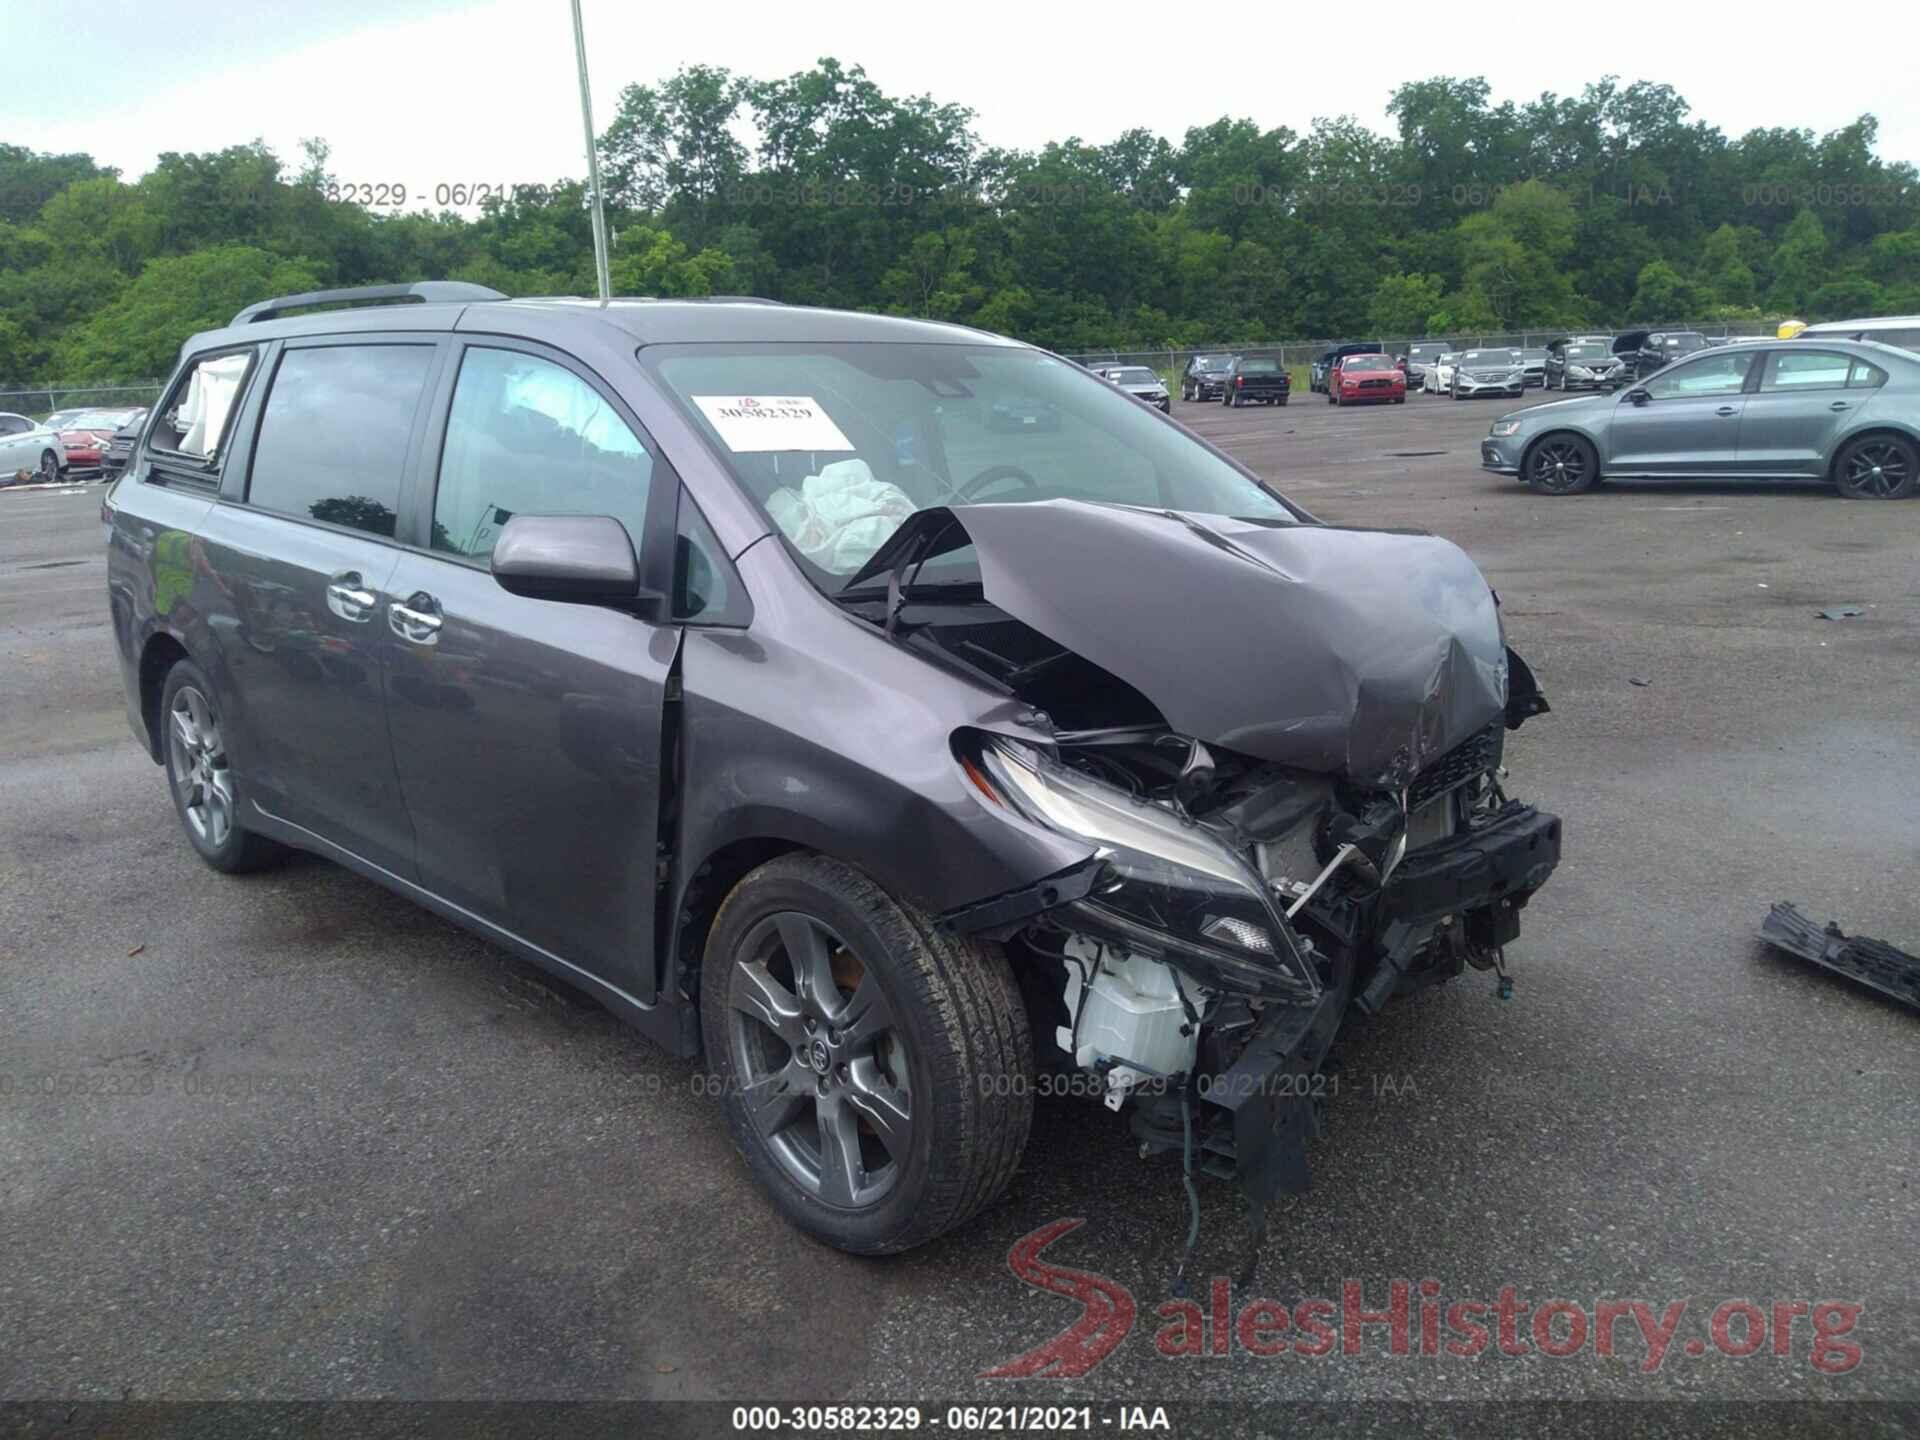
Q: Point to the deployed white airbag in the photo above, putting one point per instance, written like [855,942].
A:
[839,517]
[203,414]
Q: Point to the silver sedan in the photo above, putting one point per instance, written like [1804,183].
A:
[1844,412]
[1484,372]
[27,445]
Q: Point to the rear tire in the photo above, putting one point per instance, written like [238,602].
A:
[1876,467]
[877,1072]
[48,472]
[206,794]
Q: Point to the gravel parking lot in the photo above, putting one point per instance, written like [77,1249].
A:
[307,1141]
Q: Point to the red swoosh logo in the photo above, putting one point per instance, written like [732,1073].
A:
[1104,1321]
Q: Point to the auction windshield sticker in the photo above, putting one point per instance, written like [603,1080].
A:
[754,423]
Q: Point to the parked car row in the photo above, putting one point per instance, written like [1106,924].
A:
[67,445]
[1237,380]
[86,435]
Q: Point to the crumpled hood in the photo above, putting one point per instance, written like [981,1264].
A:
[1367,653]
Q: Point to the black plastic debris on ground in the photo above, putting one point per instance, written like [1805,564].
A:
[1840,612]
[1871,962]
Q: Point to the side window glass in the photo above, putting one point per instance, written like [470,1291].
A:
[528,437]
[195,417]
[1717,375]
[1805,370]
[333,436]
[703,581]
[1866,377]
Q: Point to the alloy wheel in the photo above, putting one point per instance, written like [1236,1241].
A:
[199,768]
[822,1063]
[1560,466]
[1877,469]
[49,471]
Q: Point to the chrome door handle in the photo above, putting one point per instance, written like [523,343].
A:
[1840,405]
[348,597]
[1728,410]
[422,627]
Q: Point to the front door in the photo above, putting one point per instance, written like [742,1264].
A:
[1791,418]
[303,567]
[1689,424]
[527,733]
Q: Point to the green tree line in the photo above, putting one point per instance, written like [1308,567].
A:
[1609,206]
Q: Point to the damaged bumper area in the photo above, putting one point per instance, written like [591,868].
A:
[1289,784]
[1873,963]
[1200,964]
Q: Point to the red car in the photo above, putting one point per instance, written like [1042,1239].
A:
[1366,380]
[86,437]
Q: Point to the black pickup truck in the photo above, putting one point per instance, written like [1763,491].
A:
[1256,378]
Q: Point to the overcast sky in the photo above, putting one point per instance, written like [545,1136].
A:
[421,92]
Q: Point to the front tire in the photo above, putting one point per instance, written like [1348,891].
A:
[1876,467]
[48,471]
[206,795]
[877,1072]
[1560,465]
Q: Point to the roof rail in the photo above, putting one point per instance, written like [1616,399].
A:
[424,290]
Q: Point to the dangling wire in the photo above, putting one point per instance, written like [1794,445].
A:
[1186,1148]
[1193,1193]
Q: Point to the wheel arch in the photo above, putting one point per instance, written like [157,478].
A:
[1526,451]
[703,890]
[1868,431]
[161,652]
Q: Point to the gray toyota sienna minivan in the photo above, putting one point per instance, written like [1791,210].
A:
[896,714]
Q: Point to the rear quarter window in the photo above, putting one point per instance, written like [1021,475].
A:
[189,435]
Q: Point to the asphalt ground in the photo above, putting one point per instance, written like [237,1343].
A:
[305,1141]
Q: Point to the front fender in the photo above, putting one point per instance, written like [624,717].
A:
[853,760]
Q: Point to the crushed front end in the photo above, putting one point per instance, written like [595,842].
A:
[1199,966]
[1290,787]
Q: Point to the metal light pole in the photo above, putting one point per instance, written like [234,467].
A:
[593,158]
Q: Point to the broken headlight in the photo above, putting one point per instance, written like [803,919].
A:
[1167,888]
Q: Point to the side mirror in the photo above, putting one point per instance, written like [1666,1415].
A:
[585,559]
[1638,396]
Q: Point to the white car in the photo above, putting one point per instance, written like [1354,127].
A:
[25,445]
[1439,375]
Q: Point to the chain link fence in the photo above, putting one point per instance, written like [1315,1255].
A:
[1304,352]
[39,401]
